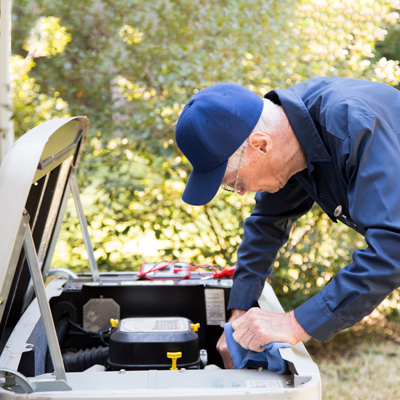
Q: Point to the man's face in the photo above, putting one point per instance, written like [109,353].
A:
[264,171]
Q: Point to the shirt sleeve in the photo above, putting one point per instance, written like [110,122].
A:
[266,230]
[371,162]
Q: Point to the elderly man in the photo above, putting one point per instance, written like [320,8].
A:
[332,141]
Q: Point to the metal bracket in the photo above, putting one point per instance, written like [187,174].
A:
[63,272]
[15,381]
[18,383]
[82,220]
[51,335]
[72,187]
[12,265]
[56,232]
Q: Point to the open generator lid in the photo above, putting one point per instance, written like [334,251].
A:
[34,190]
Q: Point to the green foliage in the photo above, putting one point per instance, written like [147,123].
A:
[47,38]
[340,36]
[29,105]
[130,66]
[389,49]
[138,200]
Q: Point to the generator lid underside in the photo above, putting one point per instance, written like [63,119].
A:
[33,179]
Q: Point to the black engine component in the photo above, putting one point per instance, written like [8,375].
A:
[77,361]
[154,343]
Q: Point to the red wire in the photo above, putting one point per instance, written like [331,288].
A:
[207,265]
[176,269]
[141,274]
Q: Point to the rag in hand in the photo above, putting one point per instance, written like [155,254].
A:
[269,359]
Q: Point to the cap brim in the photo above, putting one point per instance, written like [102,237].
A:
[203,186]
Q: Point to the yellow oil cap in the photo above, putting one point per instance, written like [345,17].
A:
[174,356]
[195,327]
[114,322]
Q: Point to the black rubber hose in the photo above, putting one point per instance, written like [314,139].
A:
[78,361]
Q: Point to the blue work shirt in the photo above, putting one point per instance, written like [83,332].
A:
[349,130]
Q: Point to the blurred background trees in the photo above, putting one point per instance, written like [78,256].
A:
[130,66]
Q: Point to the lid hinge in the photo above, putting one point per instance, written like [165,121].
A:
[16,382]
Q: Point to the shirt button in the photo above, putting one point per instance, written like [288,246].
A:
[338,211]
[321,195]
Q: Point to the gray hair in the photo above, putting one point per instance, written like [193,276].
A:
[270,119]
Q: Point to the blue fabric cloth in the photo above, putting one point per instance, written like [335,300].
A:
[269,359]
[350,132]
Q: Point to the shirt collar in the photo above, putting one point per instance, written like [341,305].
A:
[302,124]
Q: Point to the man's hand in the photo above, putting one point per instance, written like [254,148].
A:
[222,347]
[257,328]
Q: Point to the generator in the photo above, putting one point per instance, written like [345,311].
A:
[149,331]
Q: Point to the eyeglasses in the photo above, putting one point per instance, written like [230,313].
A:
[229,188]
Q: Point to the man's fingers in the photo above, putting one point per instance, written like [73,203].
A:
[255,344]
[248,318]
[248,339]
[222,348]
[248,331]
[228,363]
[221,344]
[259,327]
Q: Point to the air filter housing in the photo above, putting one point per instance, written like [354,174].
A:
[144,343]
[98,312]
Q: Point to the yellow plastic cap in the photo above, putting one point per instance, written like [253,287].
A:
[174,356]
[114,322]
[195,327]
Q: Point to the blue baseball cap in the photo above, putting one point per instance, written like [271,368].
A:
[213,125]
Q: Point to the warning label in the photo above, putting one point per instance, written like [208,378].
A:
[215,306]
[266,384]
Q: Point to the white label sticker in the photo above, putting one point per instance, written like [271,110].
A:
[270,384]
[215,306]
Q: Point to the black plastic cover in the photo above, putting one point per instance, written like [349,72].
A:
[148,350]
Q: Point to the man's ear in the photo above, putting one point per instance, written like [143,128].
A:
[261,142]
